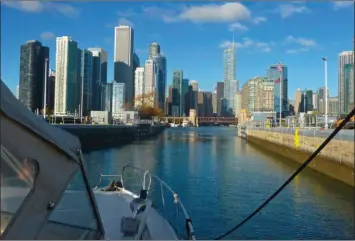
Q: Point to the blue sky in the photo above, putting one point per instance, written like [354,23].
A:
[192,34]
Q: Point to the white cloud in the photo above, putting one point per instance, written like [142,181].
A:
[237,26]
[295,51]
[38,7]
[301,41]
[47,35]
[250,44]
[287,10]
[26,6]
[258,20]
[343,4]
[125,21]
[226,12]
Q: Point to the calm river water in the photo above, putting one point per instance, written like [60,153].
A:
[221,179]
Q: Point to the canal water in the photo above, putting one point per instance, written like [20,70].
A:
[221,179]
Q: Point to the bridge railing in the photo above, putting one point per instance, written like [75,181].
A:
[142,122]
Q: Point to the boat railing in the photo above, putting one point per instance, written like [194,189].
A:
[152,183]
[146,180]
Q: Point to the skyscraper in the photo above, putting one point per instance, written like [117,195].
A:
[118,98]
[268,95]
[33,59]
[238,104]
[50,91]
[321,99]
[66,84]
[150,82]
[348,91]
[160,62]
[309,96]
[106,97]
[219,96]
[298,100]
[123,60]
[154,50]
[138,86]
[315,101]
[273,75]
[99,76]
[86,77]
[230,83]
[346,57]
[177,92]
[102,54]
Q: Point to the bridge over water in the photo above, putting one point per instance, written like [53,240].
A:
[200,121]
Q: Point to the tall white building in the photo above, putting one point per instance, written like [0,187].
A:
[230,82]
[345,57]
[118,97]
[138,86]
[66,94]
[123,60]
[150,80]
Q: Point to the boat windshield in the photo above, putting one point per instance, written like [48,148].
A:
[73,216]
[17,182]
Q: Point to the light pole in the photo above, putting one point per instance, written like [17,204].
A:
[326,92]
[45,86]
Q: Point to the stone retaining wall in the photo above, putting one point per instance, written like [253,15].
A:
[335,160]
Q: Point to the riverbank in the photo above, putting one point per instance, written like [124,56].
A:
[96,137]
[336,160]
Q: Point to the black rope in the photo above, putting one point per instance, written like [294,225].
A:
[303,166]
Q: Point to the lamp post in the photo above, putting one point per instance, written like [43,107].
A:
[326,92]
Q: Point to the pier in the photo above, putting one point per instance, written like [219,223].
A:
[93,137]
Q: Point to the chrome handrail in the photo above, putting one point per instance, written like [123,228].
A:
[146,174]
[177,201]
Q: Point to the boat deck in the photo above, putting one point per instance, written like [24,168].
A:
[115,205]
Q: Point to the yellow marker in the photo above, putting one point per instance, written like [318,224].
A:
[297,138]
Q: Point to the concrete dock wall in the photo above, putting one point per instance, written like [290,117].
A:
[94,137]
[336,160]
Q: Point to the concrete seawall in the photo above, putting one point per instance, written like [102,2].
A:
[336,160]
[94,137]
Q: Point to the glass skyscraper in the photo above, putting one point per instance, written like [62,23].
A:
[273,75]
[32,74]
[86,77]
[177,92]
[118,97]
[348,84]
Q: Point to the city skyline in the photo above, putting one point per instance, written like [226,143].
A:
[267,52]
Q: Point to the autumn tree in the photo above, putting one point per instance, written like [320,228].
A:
[49,112]
[147,106]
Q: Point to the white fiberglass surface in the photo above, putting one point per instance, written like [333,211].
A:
[115,205]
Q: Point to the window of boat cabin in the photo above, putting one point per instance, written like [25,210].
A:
[17,181]
[73,217]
